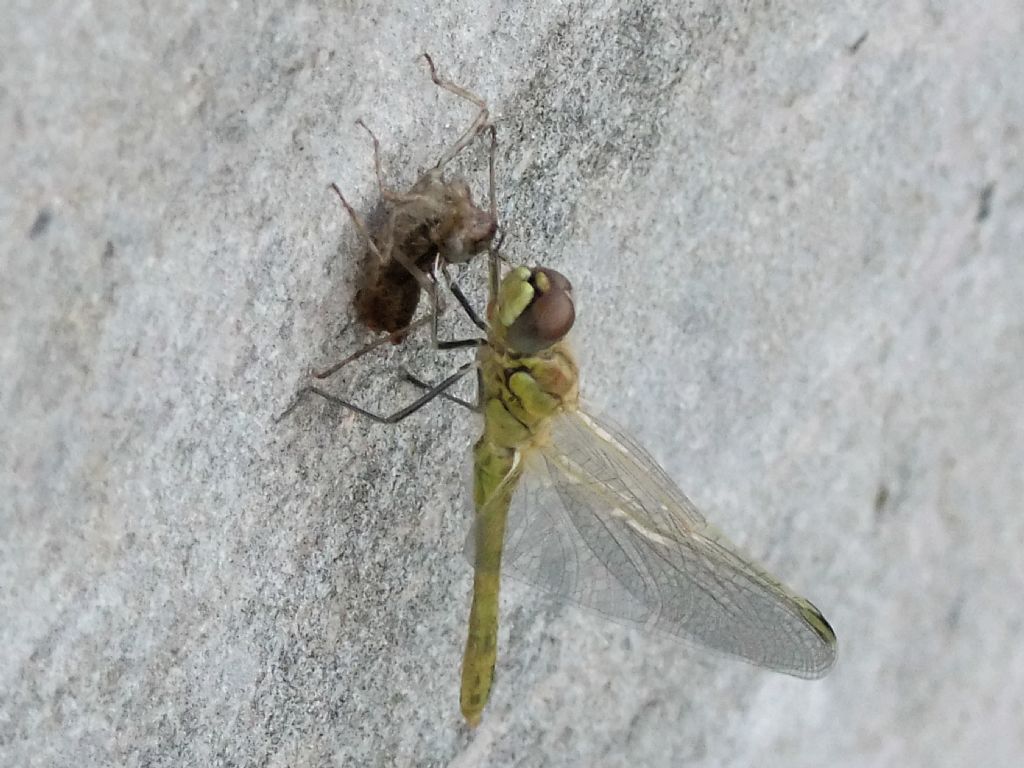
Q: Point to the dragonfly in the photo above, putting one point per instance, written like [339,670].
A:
[565,500]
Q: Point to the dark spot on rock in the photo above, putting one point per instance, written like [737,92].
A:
[233,129]
[985,201]
[285,331]
[955,612]
[41,224]
[881,497]
[856,44]
[106,264]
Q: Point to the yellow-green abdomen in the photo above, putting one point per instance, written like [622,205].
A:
[520,395]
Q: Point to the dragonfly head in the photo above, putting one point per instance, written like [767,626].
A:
[534,308]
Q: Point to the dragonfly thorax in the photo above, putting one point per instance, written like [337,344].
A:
[521,394]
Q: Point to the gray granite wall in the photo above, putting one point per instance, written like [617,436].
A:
[796,239]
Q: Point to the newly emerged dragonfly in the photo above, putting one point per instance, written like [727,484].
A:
[566,501]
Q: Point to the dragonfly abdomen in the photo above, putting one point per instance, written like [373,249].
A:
[495,471]
[520,396]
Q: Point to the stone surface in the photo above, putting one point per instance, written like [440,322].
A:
[795,235]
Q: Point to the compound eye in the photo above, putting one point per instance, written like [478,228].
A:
[548,317]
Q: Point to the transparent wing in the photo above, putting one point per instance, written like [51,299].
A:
[597,522]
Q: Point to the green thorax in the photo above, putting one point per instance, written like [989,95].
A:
[520,394]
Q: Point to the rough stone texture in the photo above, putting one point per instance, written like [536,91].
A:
[796,236]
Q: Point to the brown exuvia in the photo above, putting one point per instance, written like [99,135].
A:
[435,223]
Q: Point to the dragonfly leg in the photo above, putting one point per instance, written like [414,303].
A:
[392,418]
[435,312]
[391,337]
[407,376]
[494,247]
[463,301]
[443,345]
[479,122]
[460,344]
[413,326]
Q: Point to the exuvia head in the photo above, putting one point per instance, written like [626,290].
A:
[535,308]
[472,228]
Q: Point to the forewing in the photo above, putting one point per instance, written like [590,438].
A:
[597,522]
